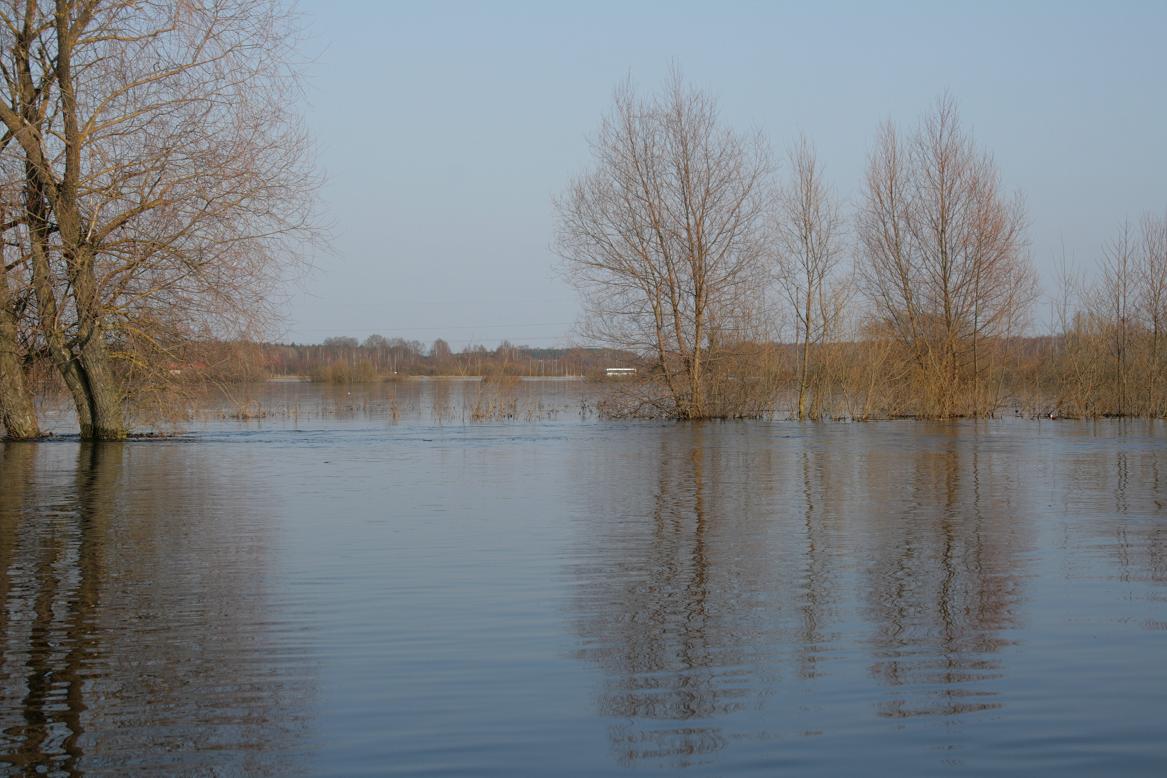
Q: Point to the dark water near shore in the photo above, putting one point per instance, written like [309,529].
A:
[370,583]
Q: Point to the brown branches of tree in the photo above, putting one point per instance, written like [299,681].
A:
[808,238]
[664,236]
[1113,343]
[166,179]
[943,259]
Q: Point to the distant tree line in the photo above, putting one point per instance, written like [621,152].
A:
[347,360]
[692,248]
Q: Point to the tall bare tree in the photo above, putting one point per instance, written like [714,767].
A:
[1115,299]
[165,173]
[943,256]
[808,232]
[664,237]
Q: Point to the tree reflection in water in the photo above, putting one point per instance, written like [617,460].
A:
[676,600]
[944,585]
[1131,488]
[646,609]
[132,630]
[724,569]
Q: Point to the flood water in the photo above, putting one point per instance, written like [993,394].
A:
[369,581]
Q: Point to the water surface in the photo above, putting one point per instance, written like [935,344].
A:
[369,581]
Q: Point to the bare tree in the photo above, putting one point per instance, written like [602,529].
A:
[664,237]
[165,178]
[1151,303]
[807,231]
[1114,300]
[1123,321]
[943,256]
[1112,360]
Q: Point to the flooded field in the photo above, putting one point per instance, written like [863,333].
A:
[431,578]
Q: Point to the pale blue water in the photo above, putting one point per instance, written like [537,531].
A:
[366,584]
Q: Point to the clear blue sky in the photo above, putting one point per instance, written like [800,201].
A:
[444,129]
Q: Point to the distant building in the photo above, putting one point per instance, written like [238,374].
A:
[617,372]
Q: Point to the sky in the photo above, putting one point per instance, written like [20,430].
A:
[444,129]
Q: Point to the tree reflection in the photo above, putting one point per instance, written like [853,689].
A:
[128,636]
[723,570]
[647,613]
[1140,502]
[945,581]
[680,600]
[1118,507]
[820,517]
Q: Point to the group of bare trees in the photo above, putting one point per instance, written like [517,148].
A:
[154,179]
[685,247]
[1109,351]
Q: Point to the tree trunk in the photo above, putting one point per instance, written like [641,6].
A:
[17,412]
[101,386]
[696,398]
[804,368]
[108,420]
[105,402]
[48,311]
